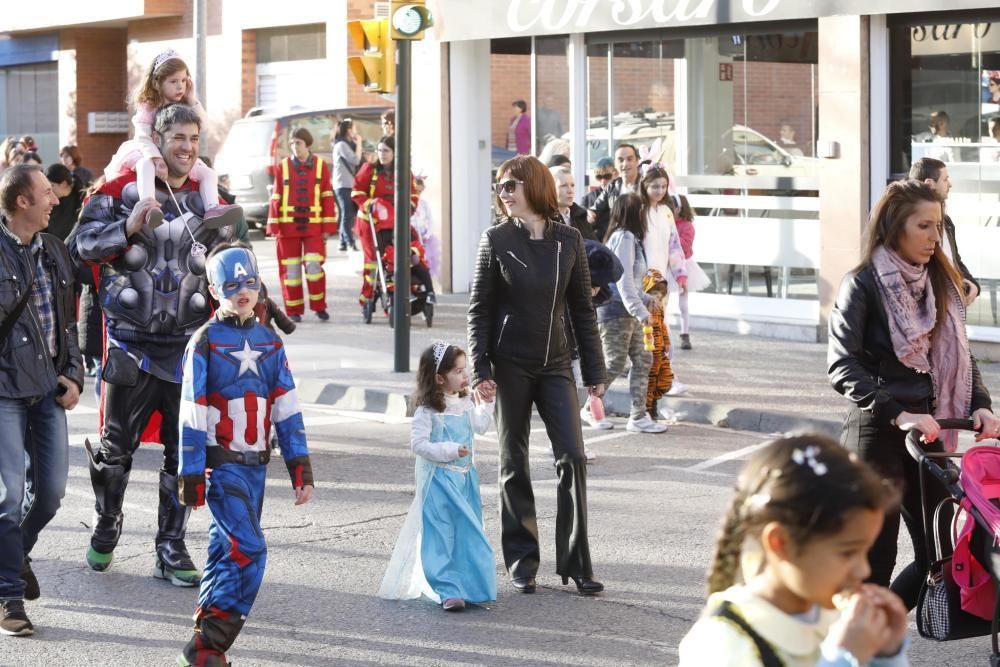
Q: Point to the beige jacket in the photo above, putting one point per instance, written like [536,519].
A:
[717,642]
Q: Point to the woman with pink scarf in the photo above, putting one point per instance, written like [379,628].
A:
[899,352]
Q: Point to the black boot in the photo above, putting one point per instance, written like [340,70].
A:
[172,560]
[214,633]
[572,547]
[109,480]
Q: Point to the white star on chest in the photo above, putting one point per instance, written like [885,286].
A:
[247,358]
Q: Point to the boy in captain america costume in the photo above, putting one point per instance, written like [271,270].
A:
[236,385]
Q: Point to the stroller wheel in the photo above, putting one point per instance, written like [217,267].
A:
[429,314]
[366,311]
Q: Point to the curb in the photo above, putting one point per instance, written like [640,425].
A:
[396,404]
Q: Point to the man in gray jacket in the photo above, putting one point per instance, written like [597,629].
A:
[41,376]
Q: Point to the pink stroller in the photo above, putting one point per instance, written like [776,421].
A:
[958,599]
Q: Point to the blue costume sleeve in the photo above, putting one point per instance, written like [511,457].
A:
[194,421]
[101,233]
[287,419]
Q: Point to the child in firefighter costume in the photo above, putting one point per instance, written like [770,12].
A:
[374,193]
[236,385]
[302,216]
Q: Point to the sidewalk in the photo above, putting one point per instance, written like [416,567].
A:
[740,382]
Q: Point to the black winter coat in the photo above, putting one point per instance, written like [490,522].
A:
[521,294]
[26,368]
[91,317]
[862,364]
[578,221]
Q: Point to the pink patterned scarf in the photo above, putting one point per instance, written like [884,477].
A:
[909,302]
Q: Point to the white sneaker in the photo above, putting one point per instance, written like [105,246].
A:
[644,425]
[677,388]
[589,455]
[599,424]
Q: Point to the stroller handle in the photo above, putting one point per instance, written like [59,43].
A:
[915,448]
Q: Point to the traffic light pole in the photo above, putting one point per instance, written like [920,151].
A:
[401,297]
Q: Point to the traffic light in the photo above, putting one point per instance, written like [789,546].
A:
[375,68]
[409,19]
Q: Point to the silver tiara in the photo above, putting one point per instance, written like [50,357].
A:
[169,54]
[439,347]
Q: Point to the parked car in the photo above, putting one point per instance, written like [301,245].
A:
[257,143]
[752,153]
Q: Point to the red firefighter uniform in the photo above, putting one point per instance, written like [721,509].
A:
[374,193]
[301,213]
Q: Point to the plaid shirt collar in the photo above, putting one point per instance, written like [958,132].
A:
[42,295]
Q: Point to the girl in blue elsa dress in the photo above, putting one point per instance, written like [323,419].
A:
[442,551]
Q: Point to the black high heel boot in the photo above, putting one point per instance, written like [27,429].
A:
[585,585]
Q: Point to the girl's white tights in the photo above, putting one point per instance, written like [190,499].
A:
[682,302]
[208,181]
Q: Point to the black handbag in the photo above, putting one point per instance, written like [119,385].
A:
[120,369]
[939,606]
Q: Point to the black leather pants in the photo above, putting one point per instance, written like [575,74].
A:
[883,447]
[553,392]
[126,412]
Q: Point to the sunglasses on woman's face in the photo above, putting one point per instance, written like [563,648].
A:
[603,177]
[507,186]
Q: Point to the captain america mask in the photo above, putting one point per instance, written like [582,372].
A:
[233,269]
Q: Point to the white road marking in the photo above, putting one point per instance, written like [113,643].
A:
[606,436]
[330,420]
[722,458]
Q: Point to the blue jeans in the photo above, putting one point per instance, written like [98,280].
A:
[38,429]
[348,211]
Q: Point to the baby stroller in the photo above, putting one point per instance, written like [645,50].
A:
[384,287]
[959,598]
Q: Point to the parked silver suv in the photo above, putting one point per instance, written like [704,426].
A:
[257,143]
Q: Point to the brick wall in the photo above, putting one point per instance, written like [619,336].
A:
[773,91]
[510,79]
[248,74]
[776,92]
[100,86]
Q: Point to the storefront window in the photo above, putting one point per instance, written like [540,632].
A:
[510,81]
[734,117]
[945,104]
[551,116]
[755,150]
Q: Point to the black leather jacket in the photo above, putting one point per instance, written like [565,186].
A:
[862,364]
[26,368]
[521,294]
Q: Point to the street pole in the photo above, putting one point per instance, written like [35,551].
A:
[200,34]
[401,299]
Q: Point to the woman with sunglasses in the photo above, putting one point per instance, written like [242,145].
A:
[531,284]
[604,173]
[900,354]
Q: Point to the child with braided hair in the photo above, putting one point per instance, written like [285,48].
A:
[799,527]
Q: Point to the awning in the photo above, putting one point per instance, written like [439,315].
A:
[456,20]
[24,16]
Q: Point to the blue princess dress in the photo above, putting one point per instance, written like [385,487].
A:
[442,551]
